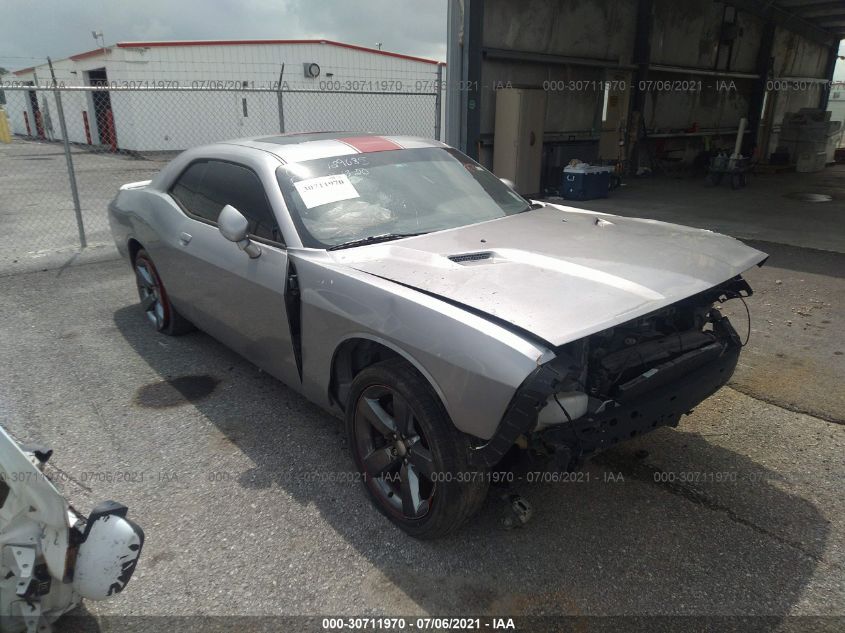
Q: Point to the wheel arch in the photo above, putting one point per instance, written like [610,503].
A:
[133,246]
[359,351]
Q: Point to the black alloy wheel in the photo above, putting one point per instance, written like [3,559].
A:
[411,458]
[398,463]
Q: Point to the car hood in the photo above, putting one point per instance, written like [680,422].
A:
[559,273]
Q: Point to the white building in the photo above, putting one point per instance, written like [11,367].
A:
[172,95]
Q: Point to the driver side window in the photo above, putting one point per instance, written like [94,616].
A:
[205,187]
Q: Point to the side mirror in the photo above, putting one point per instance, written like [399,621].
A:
[509,183]
[233,226]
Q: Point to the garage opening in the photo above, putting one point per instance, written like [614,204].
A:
[100,102]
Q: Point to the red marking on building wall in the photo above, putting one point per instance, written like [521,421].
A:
[87,127]
[39,124]
[110,133]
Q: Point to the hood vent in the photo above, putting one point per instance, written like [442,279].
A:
[465,258]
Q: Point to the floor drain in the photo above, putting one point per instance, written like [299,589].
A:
[809,197]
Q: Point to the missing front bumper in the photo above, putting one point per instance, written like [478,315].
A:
[697,376]
[662,406]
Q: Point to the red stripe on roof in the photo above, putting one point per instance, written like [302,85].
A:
[24,71]
[370,143]
[251,42]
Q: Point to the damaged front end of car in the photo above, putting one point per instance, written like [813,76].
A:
[51,557]
[620,383]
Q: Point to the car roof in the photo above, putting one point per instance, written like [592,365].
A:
[294,148]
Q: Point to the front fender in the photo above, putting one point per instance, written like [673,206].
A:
[473,364]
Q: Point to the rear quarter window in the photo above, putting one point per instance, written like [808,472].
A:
[187,187]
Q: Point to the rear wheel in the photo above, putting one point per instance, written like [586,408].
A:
[412,458]
[154,301]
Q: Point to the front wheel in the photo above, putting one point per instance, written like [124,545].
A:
[411,457]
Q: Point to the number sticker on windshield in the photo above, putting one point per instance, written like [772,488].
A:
[325,189]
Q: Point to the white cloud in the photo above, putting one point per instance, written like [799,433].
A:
[59,28]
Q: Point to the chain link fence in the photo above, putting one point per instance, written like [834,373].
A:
[72,148]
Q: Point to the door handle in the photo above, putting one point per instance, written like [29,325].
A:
[185,238]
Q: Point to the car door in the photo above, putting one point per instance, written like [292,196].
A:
[236,299]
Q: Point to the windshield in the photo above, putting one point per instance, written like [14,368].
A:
[391,194]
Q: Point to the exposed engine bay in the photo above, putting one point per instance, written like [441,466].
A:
[635,377]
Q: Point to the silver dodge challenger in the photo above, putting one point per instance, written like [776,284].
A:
[452,323]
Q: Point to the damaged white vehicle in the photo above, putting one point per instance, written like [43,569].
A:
[51,557]
[399,284]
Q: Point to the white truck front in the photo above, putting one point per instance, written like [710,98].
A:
[51,557]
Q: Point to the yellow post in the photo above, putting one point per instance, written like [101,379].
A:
[5,136]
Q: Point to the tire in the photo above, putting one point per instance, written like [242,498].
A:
[429,453]
[154,300]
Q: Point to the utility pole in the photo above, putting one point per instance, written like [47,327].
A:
[74,192]
[280,102]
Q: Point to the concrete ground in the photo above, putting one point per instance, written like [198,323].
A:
[236,482]
[240,483]
[763,210]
